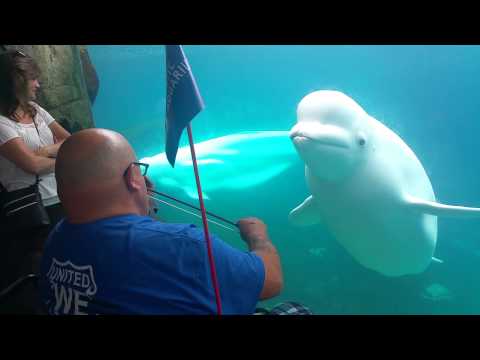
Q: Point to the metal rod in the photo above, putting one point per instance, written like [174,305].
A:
[192,206]
[191,213]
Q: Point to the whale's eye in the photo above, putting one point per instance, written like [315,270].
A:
[361,141]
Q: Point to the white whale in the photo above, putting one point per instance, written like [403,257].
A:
[367,186]
[233,162]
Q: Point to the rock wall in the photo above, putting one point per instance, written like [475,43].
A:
[64,92]
[89,73]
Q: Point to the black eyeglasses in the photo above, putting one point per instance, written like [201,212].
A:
[13,53]
[19,53]
[143,167]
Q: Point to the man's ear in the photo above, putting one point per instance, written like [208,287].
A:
[132,179]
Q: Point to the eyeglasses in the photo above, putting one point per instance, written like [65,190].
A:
[13,53]
[19,53]
[143,167]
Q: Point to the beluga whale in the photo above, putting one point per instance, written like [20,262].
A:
[230,163]
[367,186]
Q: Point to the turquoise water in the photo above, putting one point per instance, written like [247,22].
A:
[427,94]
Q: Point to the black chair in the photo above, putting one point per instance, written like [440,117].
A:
[22,297]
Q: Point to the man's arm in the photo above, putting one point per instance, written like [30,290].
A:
[254,232]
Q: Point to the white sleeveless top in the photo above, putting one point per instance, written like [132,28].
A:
[11,176]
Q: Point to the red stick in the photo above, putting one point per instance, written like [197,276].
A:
[213,272]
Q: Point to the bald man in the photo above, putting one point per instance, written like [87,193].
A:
[108,257]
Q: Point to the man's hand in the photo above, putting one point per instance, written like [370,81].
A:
[152,210]
[252,230]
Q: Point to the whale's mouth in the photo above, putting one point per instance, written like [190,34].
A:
[302,139]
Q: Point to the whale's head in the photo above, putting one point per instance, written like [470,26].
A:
[331,135]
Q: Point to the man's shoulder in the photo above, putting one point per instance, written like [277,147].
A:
[134,222]
[164,242]
[140,231]
[151,227]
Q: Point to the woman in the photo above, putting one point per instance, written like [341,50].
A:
[29,141]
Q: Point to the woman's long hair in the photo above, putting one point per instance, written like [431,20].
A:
[16,69]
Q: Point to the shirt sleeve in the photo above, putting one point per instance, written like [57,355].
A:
[241,275]
[45,115]
[7,131]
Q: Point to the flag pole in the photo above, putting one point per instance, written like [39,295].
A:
[183,102]
[213,272]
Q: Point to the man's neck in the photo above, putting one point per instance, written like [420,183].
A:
[79,221]
[79,216]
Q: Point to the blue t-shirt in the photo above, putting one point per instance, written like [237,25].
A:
[133,264]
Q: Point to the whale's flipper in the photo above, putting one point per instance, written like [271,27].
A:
[434,259]
[305,214]
[438,209]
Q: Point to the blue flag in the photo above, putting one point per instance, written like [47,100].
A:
[183,99]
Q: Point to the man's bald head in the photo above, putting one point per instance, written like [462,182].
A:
[92,157]
[92,179]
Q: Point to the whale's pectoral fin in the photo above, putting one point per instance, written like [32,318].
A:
[434,259]
[305,214]
[438,209]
